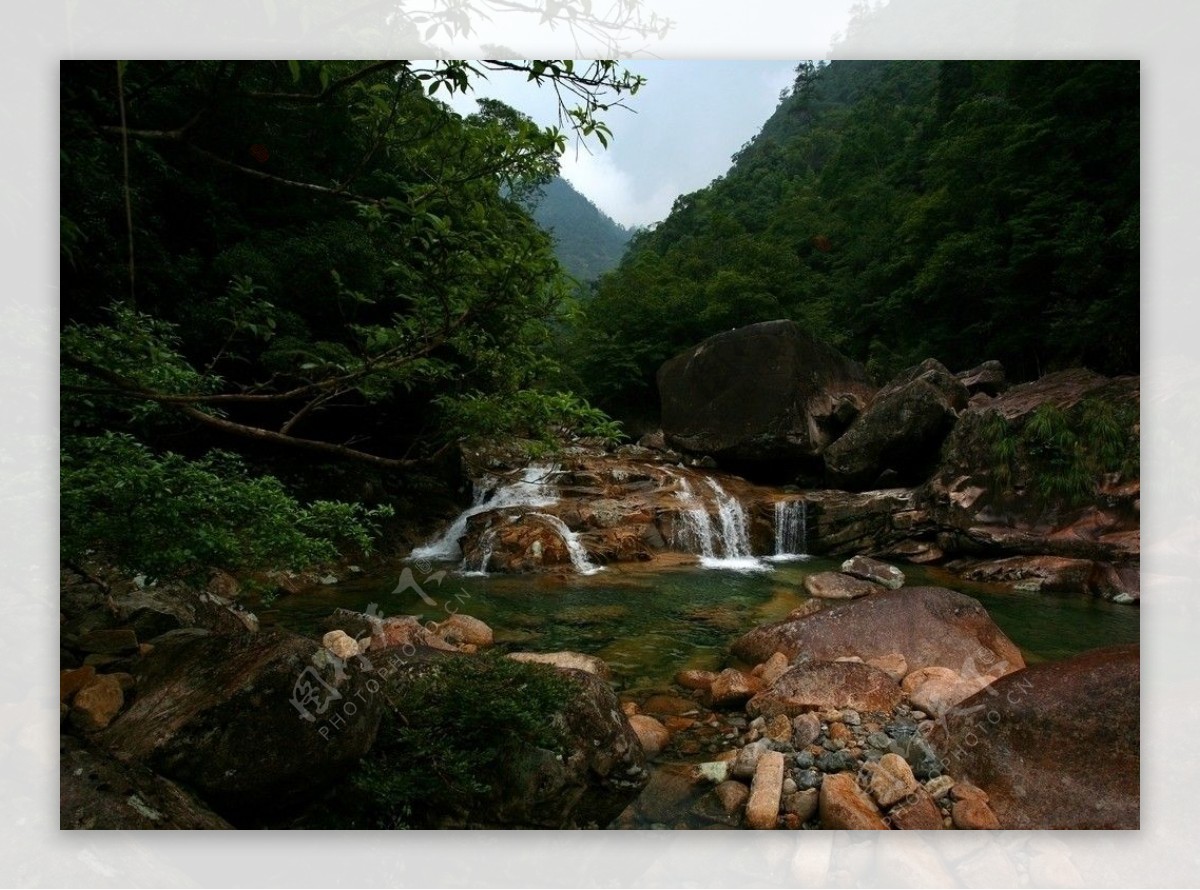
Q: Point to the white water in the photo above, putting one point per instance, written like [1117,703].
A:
[579,557]
[725,548]
[791,531]
[532,490]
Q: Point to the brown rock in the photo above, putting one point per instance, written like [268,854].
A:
[938,694]
[732,795]
[874,570]
[732,688]
[804,610]
[405,632]
[891,780]
[967,791]
[1087,776]
[668,705]
[121,641]
[836,586]
[840,732]
[844,805]
[919,677]
[698,680]
[576,661]
[70,682]
[774,668]
[678,724]
[340,644]
[916,812]
[802,804]
[939,786]
[926,625]
[97,703]
[127,681]
[766,789]
[893,665]
[652,734]
[806,729]
[779,728]
[460,629]
[817,685]
[973,814]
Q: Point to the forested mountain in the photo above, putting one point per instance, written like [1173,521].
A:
[586,241]
[900,210]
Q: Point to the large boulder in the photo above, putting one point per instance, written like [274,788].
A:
[926,625]
[900,431]
[255,725]
[762,393]
[97,791]
[1055,745]
[997,489]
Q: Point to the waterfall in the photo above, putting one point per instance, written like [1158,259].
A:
[724,544]
[791,531]
[579,557]
[531,490]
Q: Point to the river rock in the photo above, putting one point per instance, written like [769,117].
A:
[806,729]
[937,694]
[766,789]
[916,812]
[891,780]
[118,641]
[773,668]
[973,814]
[894,665]
[874,570]
[405,632]
[97,703]
[767,392]
[836,586]
[816,685]
[732,688]
[700,681]
[652,734]
[901,430]
[844,805]
[1089,707]
[340,644]
[747,759]
[733,796]
[566,661]
[802,804]
[97,791]
[459,629]
[225,719]
[71,681]
[927,625]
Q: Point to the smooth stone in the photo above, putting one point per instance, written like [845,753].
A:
[844,805]
[652,734]
[874,570]
[801,804]
[766,789]
[891,780]
[806,729]
[973,814]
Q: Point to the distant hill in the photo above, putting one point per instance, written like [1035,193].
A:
[588,242]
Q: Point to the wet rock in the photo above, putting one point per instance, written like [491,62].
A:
[761,393]
[766,789]
[836,586]
[894,665]
[671,791]
[715,771]
[652,734]
[900,430]
[779,728]
[747,759]
[733,797]
[774,668]
[914,748]
[996,740]
[668,705]
[70,682]
[97,703]
[926,625]
[97,791]
[874,570]
[836,762]
[844,805]
[939,786]
[816,685]
[405,632]
[807,779]
[891,780]
[576,661]
[938,694]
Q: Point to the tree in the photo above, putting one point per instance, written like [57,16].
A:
[318,258]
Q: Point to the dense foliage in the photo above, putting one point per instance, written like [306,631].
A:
[304,261]
[900,210]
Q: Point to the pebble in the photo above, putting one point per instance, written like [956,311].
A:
[851,717]
[939,786]
[806,729]
[809,778]
[804,760]
[789,785]
[835,761]
[879,740]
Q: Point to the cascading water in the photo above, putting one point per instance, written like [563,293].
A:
[532,489]
[791,531]
[726,547]
[579,557]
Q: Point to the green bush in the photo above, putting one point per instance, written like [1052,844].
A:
[167,516]
[444,746]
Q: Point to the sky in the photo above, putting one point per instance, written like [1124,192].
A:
[678,135]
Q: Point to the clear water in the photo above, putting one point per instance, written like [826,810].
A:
[650,623]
